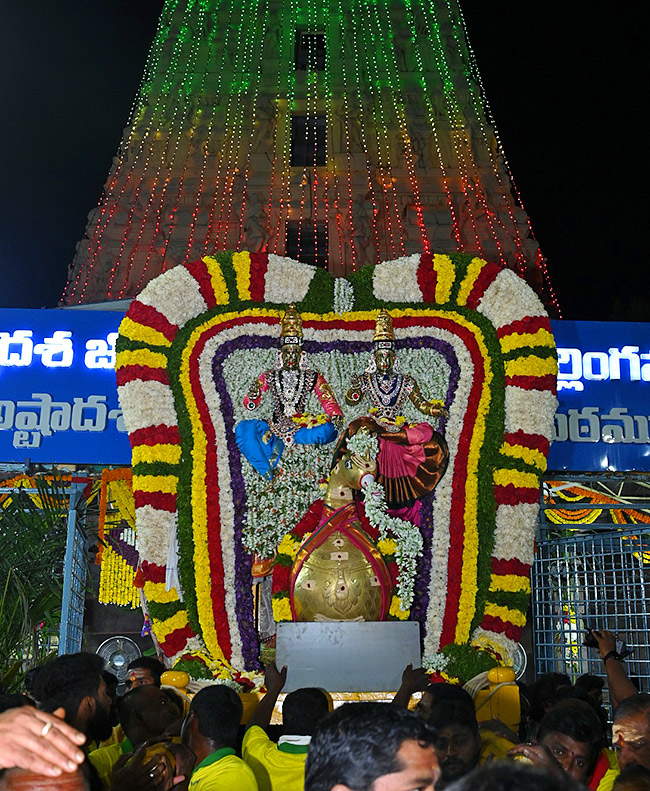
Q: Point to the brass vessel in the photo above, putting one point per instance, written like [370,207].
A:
[339,575]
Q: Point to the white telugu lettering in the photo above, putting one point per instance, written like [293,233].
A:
[613,365]
[614,427]
[42,417]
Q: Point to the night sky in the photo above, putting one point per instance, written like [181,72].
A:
[565,82]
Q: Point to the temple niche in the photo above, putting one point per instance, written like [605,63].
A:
[321,132]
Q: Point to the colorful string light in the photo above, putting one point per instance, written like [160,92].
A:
[185,181]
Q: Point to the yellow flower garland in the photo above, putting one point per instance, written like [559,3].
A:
[135,331]
[157,592]
[445,277]
[522,480]
[217,279]
[473,271]
[141,357]
[167,484]
[530,456]
[241,263]
[146,454]
[396,609]
[387,546]
[510,583]
[164,628]
[525,339]
[516,617]
[116,581]
[281,610]
[531,366]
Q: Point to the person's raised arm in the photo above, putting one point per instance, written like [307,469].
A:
[274,680]
[618,683]
[413,680]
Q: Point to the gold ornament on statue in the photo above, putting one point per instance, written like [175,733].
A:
[291,325]
[384,327]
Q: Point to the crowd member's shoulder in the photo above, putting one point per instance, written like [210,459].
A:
[225,774]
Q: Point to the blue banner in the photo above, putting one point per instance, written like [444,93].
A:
[604,397]
[58,396]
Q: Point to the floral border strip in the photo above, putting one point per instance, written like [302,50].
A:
[172,305]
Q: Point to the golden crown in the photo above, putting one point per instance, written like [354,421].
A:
[291,323]
[384,327]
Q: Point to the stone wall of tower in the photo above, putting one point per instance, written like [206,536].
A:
[412,164]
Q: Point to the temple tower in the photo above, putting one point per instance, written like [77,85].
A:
[337,132]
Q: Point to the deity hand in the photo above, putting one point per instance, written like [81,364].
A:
[433,408]
[355,391]
[255,392]
[436,408]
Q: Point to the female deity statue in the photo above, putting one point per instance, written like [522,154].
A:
[291,383]
[412,457]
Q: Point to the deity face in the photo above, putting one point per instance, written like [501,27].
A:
[290,356]
[384,360]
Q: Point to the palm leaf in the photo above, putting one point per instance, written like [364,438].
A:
[33,534]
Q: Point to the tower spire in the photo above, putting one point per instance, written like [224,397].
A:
[337,132]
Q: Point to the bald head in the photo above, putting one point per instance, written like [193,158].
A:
[146,712]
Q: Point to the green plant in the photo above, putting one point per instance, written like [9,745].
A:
[32,549]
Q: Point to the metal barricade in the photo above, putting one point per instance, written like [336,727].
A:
[75,569]
[591,571]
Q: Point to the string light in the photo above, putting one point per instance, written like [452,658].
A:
[135,170]
[183,179]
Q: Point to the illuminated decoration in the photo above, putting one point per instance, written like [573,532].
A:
[18,349]
[30,483]
[117,555]
[412,158]
[472,333]
[557,492]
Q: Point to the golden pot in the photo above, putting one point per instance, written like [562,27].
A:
[339,575]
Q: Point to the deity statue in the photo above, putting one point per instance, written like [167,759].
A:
[412,457]
[291,383]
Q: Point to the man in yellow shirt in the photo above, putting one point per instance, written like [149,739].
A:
[210,731]
[145,713]
[281,766]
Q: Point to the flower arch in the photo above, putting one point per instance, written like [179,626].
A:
[184,347]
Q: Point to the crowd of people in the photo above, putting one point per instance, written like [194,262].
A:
[70,722]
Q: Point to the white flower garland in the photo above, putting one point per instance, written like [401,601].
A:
[435,663]
[275,507]
[146,404]
[176,295]
[155,529]
[364,444]
[408,540]
[343,295]
[531,411]
[286,280]
[509,298]
[397,281]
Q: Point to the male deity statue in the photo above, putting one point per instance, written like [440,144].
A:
[412,457]
[291,382]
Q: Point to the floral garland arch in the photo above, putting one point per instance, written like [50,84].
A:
[183,366]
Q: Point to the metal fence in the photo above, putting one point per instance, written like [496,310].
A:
[75,569]
[591,570]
